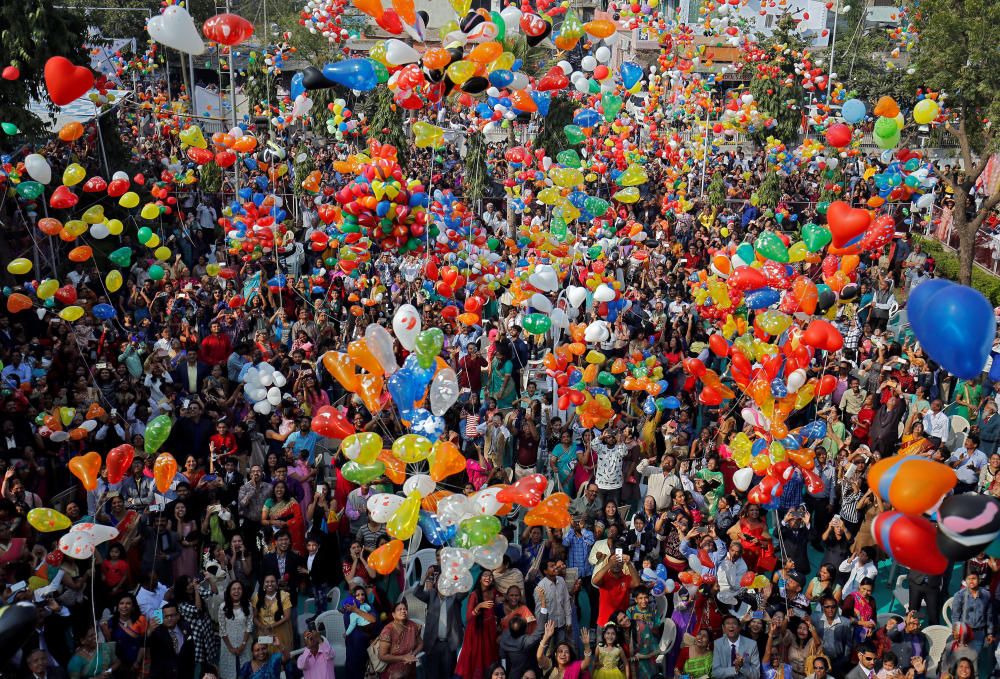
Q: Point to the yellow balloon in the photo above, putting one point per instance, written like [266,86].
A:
[47,520]
[377,52]
[162,253]
[426,135]
[73,174]
[460,71]
[797,252]
[150,211]
[115,227]
[634,175]
[94,214]
[213,269]
[19,266]
[129,199]
[504,62]
[71,313]
[113,281]
[566,177]
[925,111]
[404,522]
[411,448]
[75,227]
[548,196]
[153,242]
[47,288]
[363,448]
[192,136]
[627,195]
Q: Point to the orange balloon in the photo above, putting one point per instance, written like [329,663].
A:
[370,391]
[71,131]
[358,350]
[245,144]
[912,484]
[78,434]
[600,28]
[436,58]
[405,10]
[395,469]
[86,468]
[341,367]
[164,470]
[385,559]
[18,302]
[522,101]
[468,318]
[372,8]
[95,411]
[81,253]
[553,512]
[50,226]
[445,460]
[485,52]
[430,503]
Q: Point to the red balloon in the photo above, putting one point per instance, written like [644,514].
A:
[117,187]
[331,423]
[62,198]
[826,385]
[911,540]
[718,344]
[838,135]
[11,73]
[227,29]
[226,158]
[66,81]
[527,492]
[846,223]
[694,366]
[118,462]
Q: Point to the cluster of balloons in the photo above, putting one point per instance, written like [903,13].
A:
[262,386]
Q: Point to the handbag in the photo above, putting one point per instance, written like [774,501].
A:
[375,663]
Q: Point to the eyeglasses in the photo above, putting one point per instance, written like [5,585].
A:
[831,606]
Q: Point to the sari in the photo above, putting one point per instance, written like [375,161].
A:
[914,445]
[290,511]
[864,611]
[402,640]
[95,665]
[479,648]
[565,464]
[269,670]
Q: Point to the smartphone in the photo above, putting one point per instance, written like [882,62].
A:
[320,489]
[268,640]
[618,552]
[158,616]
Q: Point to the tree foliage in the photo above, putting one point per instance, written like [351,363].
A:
[385,121]
[31,32]
[717,191]
[476,177]
[551,137]
[769,191]
[775,86]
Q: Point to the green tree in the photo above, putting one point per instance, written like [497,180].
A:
[551,136]
[776,87]
[769,191]
[260,85]
[303,165]
[385,121]
[31,32]
[475,177]
[862,66]
[957,55]
[717,191]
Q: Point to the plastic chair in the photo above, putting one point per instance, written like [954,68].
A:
[331,625]
[334,597]
[939,636]
[901,593]
[418,565]
[959,425]
[946,611]
[416,607]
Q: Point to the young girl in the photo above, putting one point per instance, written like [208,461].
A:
[612,663]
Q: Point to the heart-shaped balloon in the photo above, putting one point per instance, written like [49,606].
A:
[62,198]
[66,294]
[227,29]
[846,223]
[65,81]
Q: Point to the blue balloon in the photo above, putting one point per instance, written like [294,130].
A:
[995,368]
[631,73]
[357,74]
[672,403]
[955,326]
[853,111]
[297,87]
[778,388]
[428,425]
[500,78]
[103,312]
[814,430]
[587,117]
[435,533]
[542,100]
[761,298]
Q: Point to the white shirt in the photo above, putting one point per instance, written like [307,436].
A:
[609,465]
[729,573]
[937,425]
[150,601]
[858,572]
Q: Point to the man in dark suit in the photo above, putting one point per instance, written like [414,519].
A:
[444,627]
[51,635]
[190,374]
[322,569]
[865,669]
[285,565]
[231,481]
[925,588]
[171,647]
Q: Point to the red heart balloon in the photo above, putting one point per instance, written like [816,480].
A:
[331,423]
[227,29]
[846,223]
[62,198]
[95,185]
[118,462]
[66,294]
[66,81]
[117,187]
[527,491]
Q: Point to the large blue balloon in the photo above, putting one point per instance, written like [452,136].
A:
[357,74]
[297,87]
[954,324]
[103,312]
[631,73]
[587,117]
[853,111]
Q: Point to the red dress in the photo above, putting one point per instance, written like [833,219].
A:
[479,650]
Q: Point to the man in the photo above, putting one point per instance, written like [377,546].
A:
[231,481]
[552,599]
[303,439]
[520,354]
[587,506]
[971,606]
[322,568]
[853,399]
[357,507]
[495,437]
[614,579]
[734,655]
[883,305]
[860,566]
[444,626]
[910,641]
[989,428]
[925,588]
[370,533]
[171,649]
[732,568]
[937,425]
[865,669]
[316,661]
[820,667]
[967,462]
[251,505]
[190,374]
[518,646]
[160,547]
[52,625]
[835,632]
[661,479]
[608,473]
[285,565]
[470,368]
[215,348]
[137,489]
[17,372]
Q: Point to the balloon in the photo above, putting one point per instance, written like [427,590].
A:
[552,512]
[742,478]
[363,448]
[164,470]
[404,521]
[445,460]
[382,506]
[83,539]
[175,28]
[847,224]
[853,111]
[380,345]
[341,367]
[949,322]
[385,559]
[911,483]
[406,324]
[433,531]
[363,473]
[356,74]
[490,556]
[411,448]
[65,81]
[426,135]
[967,524]
[119,462]
[428,345]
[910,540]
[478,530]
[443,391]
[86,468]
[924,112]
[331,423]
[19,266]
[157,432]
[47,520]
[38,168]
[17,623]
[227,29]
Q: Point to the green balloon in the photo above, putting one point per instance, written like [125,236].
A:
[144,234]
[537,324]
[594,251]
[479,530]
[157,432]
[10,128]
[816,237]
[428,345]
[501,26]
[493,243]
[612,104]
[156,272]
[885,127]
[771,247]
[362,473]
[887,142]
[569,158]
[574,134]
[745,252]
[595,206]
[822,206]
[121,257]
[605,379]
[30,190]
[381,72]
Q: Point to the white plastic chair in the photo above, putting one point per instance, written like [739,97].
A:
[331,625]
[939,636]
[959,425]
[419,564]
[901,593]
[416,607]
[334,597]
[946,611]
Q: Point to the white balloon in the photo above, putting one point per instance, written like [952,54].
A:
[576,295]
[399,53]
[742,478]
[278,379]
[491,556]
[406,324]
[596,332]
[559,318]
[512,19]
[382,506]
[603,54]
[274,396]
[99,231]
[422,483]
[486,502]
[453,509]
[303,104]
[541,303]
[120,174]
[38,168]
[380,344]
[519,82]
[604,293]
[444,391]
[796,380]
[566,67]
[88,425]
[262,407]
[175,28]
[588,63]
[544,278]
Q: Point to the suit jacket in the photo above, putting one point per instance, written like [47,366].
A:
[56,634]
[180,376]
[326,568]
[455,621]
[857,673]
[166,663]
[519,653]
[292,579]
[917,578]
[230,491]
[722,665]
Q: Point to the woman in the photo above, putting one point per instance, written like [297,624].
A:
[185,529]
[399,643]
[806,645]
[265,664]
[93,660]
[964,669]
[914,441]
[712,477]
[127,629]
[281,510]
[236,631]
[586,460]
[863,420]
[968,394]
[191,471]
[479,650]
[825,583]
[199,624]
[563,460]
[751,531]
[561,664]
[357,636]
[698,664]
[322,512]
[646,629]
[309,394]
[860,608]
[501,377]
[357,567]
[612,660]
[610,517]
[273,613]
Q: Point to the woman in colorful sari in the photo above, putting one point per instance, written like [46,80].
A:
[399,643]
[265,665]
[127,629]
[561,663]
[859,607]
[91,658]
[712,477]
[501,383]
[751,531]
[282,511]
[646,629]
[914,442]
[563,460]
[968,394]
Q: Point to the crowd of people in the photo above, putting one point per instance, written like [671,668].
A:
[238,570]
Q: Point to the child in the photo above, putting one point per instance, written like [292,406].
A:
[611,657]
